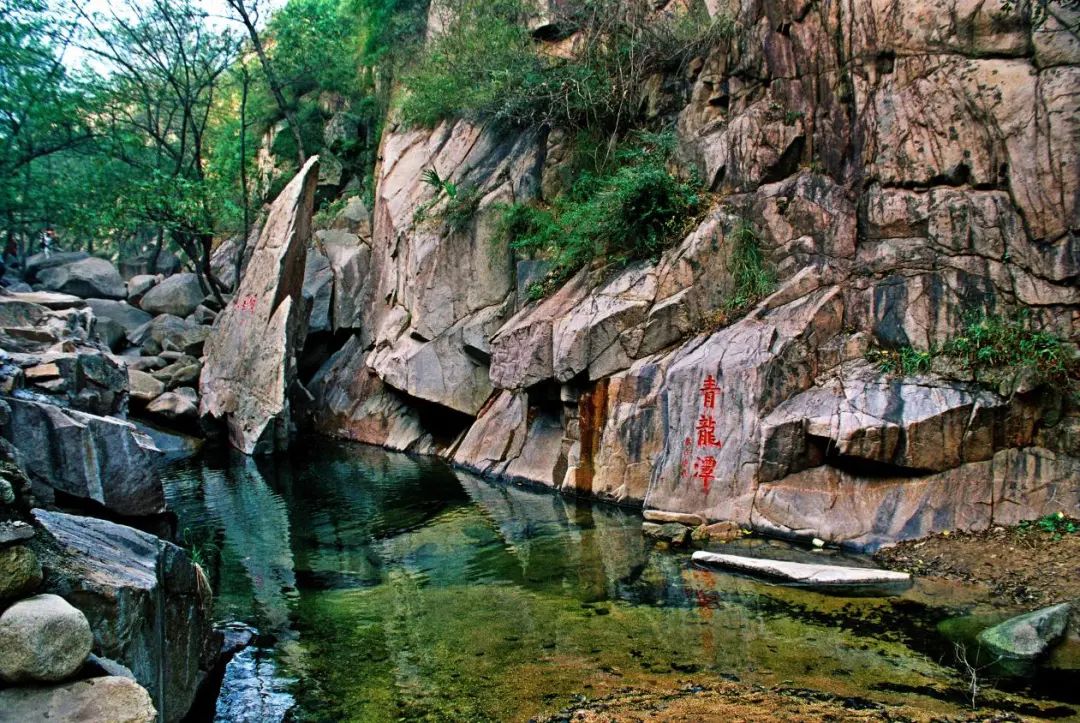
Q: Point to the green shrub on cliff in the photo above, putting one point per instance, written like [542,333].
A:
[486,66]
[989,346]
[634,211]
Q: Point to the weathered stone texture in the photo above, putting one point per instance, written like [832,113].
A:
[251,354]
[905,167]
[148,604]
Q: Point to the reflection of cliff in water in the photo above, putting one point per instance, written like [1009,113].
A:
[597,550]
[254,521]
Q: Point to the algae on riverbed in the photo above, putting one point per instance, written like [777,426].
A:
[398,589]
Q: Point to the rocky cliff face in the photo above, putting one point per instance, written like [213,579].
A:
[908,165]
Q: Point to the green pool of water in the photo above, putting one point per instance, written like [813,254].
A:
[388,587]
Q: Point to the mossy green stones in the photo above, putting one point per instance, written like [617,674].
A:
[1027,636]
[20,572]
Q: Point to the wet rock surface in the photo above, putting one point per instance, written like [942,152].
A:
[1027,636]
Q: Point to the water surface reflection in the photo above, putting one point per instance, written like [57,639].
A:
[392,587]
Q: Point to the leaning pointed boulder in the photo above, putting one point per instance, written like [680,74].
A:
[251,353]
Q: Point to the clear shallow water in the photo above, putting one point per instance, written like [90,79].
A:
[388,587]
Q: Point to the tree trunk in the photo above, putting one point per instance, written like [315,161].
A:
[271,77]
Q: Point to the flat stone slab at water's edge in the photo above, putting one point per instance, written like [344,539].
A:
[803,573]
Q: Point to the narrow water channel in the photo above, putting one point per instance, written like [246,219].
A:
[387,587]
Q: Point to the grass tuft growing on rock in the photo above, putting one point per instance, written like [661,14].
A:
[994,342]
[989,347]
[753,276]
[905,361]
[632,211]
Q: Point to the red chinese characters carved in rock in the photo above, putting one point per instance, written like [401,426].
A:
[709,390]
[684,460]
[705,470]
[706,432]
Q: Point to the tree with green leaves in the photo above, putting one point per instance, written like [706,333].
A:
[165,64]
[39,111]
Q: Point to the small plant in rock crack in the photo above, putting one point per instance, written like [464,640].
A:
[461,202]
[1057,525]
[431,177]
[203,551]
[905,361]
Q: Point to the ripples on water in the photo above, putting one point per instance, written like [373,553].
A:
[393,587]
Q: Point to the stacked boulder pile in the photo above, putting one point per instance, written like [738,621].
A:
[65,401]
[155,324]
[47,669]
[112,621]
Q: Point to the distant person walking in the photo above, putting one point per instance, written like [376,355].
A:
[47,240]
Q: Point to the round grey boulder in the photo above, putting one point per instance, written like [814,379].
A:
[178,295]
[89,278]
[43,638]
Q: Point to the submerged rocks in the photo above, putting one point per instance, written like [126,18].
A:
[115,699]
[1027,636]
[42,638]
[251,354]
[147,602]
[672,533]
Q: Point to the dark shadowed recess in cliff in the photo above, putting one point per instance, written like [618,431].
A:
[318,347]
[544,400]
[821,451]
[444,425]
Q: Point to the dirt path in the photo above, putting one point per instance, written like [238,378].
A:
[1029,565]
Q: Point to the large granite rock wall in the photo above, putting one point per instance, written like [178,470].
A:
[907,166]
